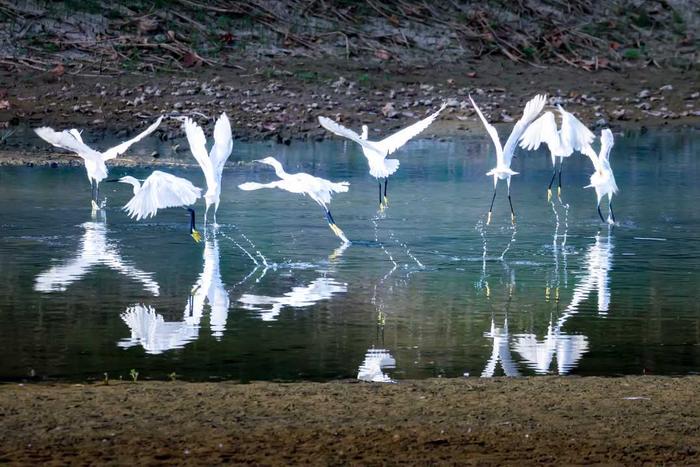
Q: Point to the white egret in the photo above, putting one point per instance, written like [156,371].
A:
[572,136]
[603,180]
[504,154]
[159,191]
[212,164]
[318,189]
[71,140]
[377,151]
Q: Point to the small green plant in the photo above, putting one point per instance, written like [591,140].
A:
[173,376]
[529,52]
[106,379]
[134,374]
[363,79]
[632,54]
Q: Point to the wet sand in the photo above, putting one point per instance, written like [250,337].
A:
[543,420]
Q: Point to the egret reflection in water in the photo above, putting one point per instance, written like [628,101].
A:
[374,364]
[149,328]
[94,250]
[569,349]
[322,288]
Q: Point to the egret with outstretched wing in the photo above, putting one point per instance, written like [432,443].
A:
[603,180]
[71,140]
[376,152]
[212,164]
[160,191]
[318,189]
[504,154]
[572,136]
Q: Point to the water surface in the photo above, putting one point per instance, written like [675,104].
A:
[422,290]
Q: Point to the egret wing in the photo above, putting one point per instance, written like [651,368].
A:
[198,147]
[223,144]
[542,130]
[66,140]
[532,110]
[340,130]
[161,190]
[491,130]
[398,139]
[606,143]
[250,186]
[120,149]
[574,134]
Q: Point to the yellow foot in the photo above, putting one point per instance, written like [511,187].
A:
[549,195]
[546,294]
[559,193]
[512,219]
[336,230]
[488,290]
[488,218]
[95,207]
[556,294]
[381,207]
[386,202]
[196,236]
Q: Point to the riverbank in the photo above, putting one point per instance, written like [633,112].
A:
[281,102]
[550,420]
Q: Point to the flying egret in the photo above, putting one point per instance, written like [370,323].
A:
[572,136]
[212,164]
[504,154]
[603,179]
[377,151]
[94,160]
[159,191]
[318,189]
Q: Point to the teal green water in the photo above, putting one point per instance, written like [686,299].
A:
[270,295]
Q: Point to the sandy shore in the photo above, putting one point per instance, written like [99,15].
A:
[281,102]
[550,420]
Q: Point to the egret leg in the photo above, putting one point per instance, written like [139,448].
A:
[551,182]
[196,236]
[331,223]
[95,206]
[612,214]
[512,213]
[488,218]
[600,213]
[561,164]
[386,200]
[380,193]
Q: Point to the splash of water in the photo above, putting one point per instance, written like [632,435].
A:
[240,247]
[510,242]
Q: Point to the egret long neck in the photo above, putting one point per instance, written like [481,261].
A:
[278,169]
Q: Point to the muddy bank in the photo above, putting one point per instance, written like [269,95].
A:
[281,102]
[549,420]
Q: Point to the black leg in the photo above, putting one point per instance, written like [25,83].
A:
[554,174]
[329,216]
[612,214]
[386,182]
[192,226]
[94,190]
[380,193]
[600,213]
[561,164]
[488,219]
[512,213]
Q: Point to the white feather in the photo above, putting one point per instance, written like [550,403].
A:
[161,190]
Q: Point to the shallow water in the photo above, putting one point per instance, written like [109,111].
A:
[420,292]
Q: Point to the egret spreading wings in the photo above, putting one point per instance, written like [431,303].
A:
[376,152]
[572,136]
[71,140]
[603,180]
[160,191]
[504,154]
[212,164]
[318,189]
